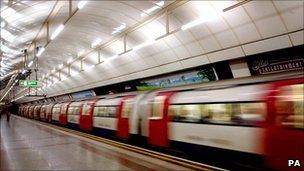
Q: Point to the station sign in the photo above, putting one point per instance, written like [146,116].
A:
[29,83]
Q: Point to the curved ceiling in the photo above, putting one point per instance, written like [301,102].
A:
[247,29]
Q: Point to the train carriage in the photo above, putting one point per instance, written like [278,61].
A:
[105,116]
[56,112]
[73,114]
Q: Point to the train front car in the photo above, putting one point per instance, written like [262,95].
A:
[86,116]
[222,124]
[284,136]
[73,114]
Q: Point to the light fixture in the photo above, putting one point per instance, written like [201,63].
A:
[192,24]
[119,28]
[24,71]
[157,6]
[96,43]
[57,31]
[61,66]
[30,64]
[41,50]
[3,24]
[160,3]
[147,43]
[81,4]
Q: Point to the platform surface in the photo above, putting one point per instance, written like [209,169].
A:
[27,145]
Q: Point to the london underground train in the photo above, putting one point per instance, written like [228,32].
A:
[257,122]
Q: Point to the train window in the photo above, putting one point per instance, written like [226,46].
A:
[56,110]
[48,109]
[249,113]
[100,111]
[289,106]
[112,111]
[174,112]
[105,111]
[187,113]
[86,109]
[158,107]
[218,112]
[73,110]
[127,108]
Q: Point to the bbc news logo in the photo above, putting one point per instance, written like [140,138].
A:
[294,163]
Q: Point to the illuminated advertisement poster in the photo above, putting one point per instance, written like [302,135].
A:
[191,77]
[275,63]
[83,94]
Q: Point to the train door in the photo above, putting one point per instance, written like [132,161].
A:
[158,121]
[63,119]
[285,132]
[49,112]
[86,116]
[124,111]
[42,113]
[31,112]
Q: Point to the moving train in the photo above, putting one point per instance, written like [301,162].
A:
[259,121]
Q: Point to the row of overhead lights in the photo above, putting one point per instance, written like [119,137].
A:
[147,43]
[116,30]
[58,30]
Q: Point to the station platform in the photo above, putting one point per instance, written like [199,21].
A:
[28,145]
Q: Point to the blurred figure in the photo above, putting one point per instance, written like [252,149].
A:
[8,115]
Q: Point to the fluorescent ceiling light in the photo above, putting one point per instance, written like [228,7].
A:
[119,28]
[24,71]
[40,51]
[96,43]
[3,24]
[30,64]
[57,31]
[75,73]
[151,9]
[90,67]
[207,13]
[192,24]
[157,6]
[147,43]
[61,66]
[160,3]
[81,4]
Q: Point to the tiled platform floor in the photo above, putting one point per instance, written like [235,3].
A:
[27,145]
